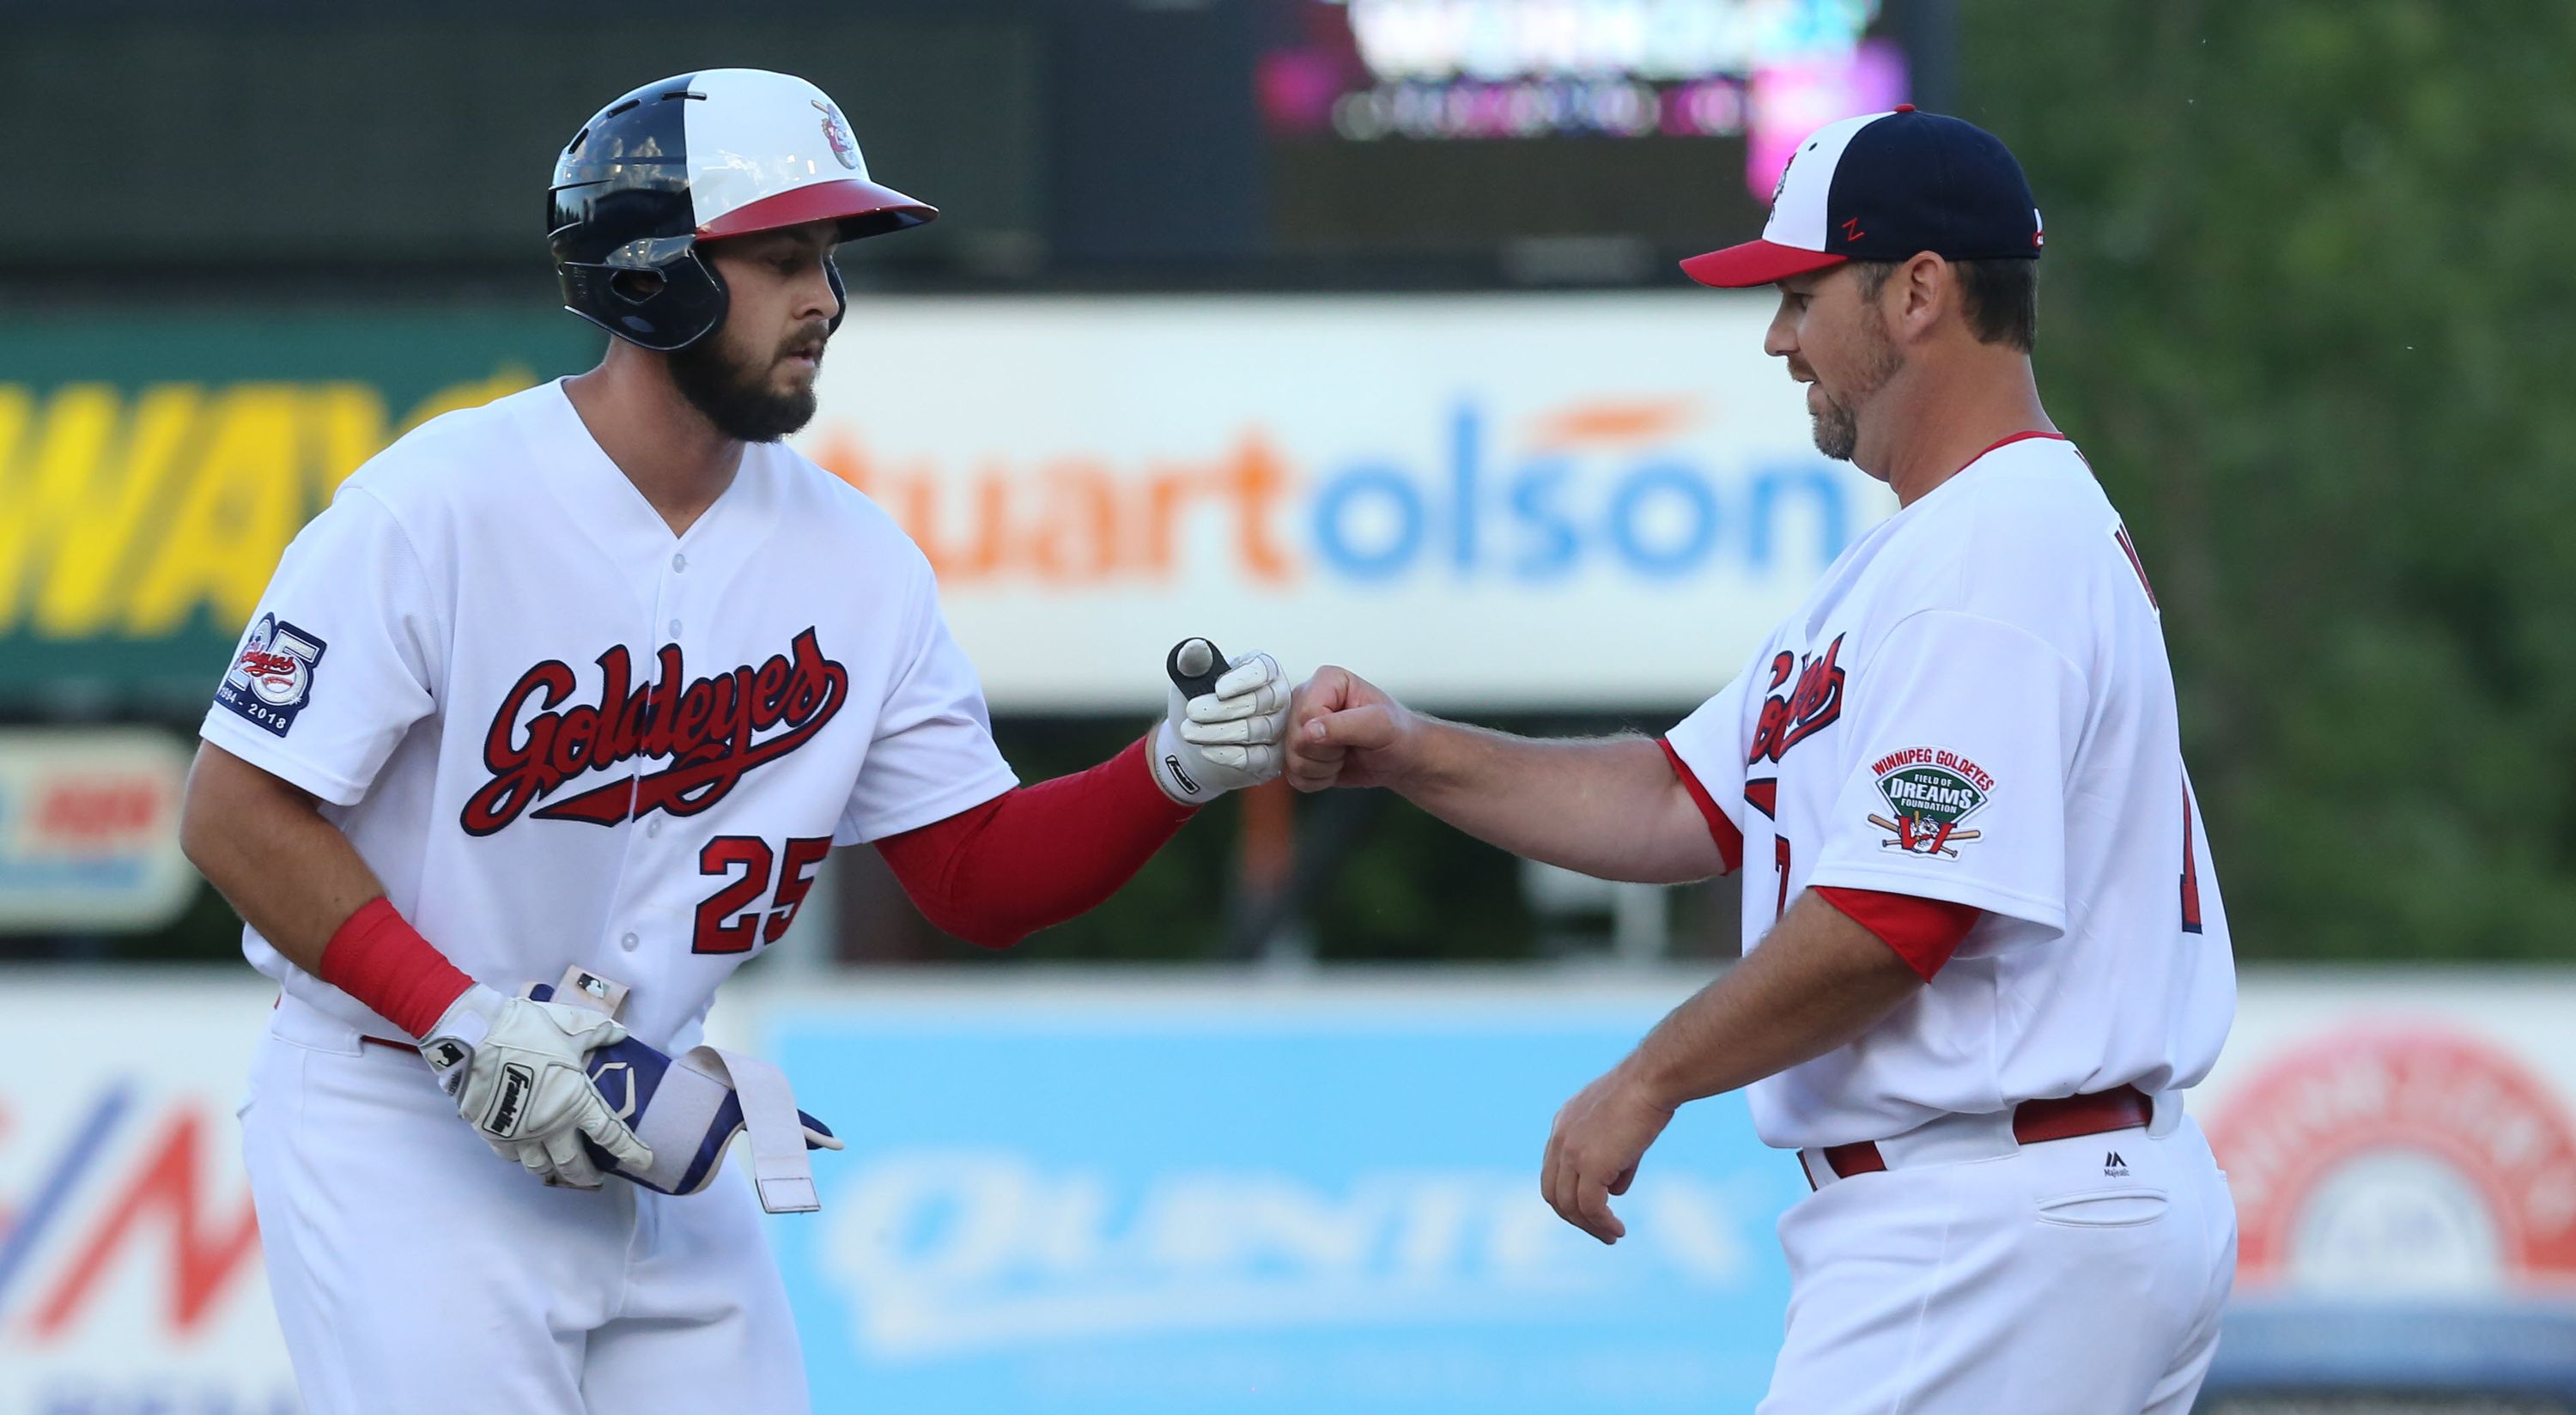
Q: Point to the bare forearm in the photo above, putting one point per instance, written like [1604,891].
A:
[291,874]
[1816,983]
[1608,807]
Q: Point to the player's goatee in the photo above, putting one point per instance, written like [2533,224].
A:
[1837,435]
[1837,428]
[735,396]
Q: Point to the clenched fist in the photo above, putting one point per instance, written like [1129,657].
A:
[1344,731]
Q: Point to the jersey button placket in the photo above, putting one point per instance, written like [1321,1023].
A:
[671,608]
[628,942]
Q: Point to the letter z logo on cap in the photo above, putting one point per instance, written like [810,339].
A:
[272,678]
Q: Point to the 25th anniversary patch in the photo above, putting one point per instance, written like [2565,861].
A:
[1929,793]
[272,678]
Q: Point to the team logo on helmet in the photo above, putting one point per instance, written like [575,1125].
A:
[272,678]
[1929,793]
[837,133]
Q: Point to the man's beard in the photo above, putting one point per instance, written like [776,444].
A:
[1837,427]
[736,397]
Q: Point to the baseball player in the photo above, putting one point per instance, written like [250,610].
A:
[592,678]
[1984,954]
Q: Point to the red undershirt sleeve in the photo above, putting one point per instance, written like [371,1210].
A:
[1038,855]
[1924,932]
[1730,841]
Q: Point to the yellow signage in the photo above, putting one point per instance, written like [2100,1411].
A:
[128,512]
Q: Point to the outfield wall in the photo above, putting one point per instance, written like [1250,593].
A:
[1147,1193]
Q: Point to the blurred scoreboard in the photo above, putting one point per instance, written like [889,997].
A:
[1450,124]
[1056,136]
[198,139]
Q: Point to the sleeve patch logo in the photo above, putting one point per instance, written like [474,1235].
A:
[1929,793]
[272,679]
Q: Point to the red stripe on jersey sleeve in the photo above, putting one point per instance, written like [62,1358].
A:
[1923,932]
[1730,841]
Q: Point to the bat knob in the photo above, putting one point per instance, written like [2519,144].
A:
[1194,665]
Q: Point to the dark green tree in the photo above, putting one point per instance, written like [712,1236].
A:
[2308,305]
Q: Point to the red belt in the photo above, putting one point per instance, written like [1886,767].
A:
[280,1001]
[2033,1122]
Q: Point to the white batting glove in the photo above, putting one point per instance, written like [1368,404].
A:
[515,1069]
[1217,741]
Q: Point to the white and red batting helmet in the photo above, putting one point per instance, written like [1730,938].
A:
[699,157]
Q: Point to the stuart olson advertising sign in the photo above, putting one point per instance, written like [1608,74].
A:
[1501,501]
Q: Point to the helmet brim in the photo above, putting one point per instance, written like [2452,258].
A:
[863,209]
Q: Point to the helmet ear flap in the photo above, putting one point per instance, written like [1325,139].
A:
[664,307]
[709,300]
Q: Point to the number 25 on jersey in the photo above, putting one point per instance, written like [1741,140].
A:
[731,920]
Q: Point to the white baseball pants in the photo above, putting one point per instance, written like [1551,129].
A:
[2073,1277]
[415,1270]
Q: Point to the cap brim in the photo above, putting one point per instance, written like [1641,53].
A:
[867,208]
[1755,263]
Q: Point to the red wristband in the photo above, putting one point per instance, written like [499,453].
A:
[378,958]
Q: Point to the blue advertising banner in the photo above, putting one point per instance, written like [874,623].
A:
[1091,1203]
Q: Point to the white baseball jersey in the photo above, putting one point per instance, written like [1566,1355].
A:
[1975,706]
[560,734]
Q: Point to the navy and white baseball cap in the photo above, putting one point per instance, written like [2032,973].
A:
[1885,186]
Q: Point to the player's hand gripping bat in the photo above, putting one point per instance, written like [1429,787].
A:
[1222,722]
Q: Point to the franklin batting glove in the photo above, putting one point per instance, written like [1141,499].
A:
[1220,730]
[516,1069]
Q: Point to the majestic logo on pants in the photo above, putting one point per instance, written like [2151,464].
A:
[710,732]
[1928,793]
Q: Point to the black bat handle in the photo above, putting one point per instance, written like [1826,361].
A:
[1199,684]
